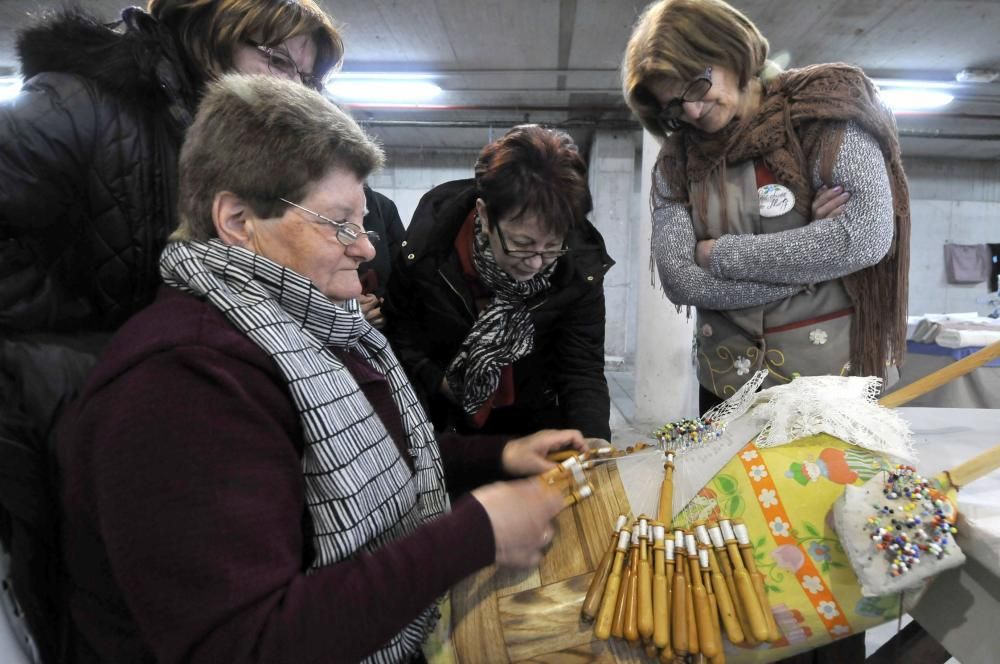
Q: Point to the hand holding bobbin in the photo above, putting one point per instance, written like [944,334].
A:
[521,514]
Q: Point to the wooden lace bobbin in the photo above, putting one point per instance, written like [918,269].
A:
[709,583]
[631,624]
[708,641]
[605,616]
[746,548]
[678,591]
[568,479]
[722,557]
[694,645]
[666,507]
[744,585]
[621,602]
[592,601]
[667,654]
[645,581]
[661,589]
[727,611]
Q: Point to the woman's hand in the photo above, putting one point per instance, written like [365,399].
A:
[526,456]
[521,515]
[829,202]
[371,309]
[703,252]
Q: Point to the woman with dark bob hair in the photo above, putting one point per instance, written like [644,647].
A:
[248,475]
[496,305]
[780,206]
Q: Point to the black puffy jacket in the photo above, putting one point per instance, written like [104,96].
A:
[88,161]
[429,311]
[383,218]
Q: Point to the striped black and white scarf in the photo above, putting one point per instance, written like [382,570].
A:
[503,333]
[359,491]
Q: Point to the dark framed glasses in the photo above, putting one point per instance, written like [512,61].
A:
[347,233]
[524,254]
[670,115]
[281,64]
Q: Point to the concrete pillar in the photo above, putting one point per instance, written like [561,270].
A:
[665,380]
[612,178]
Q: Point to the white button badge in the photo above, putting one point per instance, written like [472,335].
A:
[775,200]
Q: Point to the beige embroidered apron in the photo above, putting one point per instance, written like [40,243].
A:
[808,334]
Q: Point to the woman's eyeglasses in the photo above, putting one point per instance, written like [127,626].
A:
[280,63]
[670,115]
[548,256]
[347,233]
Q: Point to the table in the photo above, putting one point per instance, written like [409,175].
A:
[979,389]
[533,616]
[962,607]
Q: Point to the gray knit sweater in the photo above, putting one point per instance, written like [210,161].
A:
[750,270]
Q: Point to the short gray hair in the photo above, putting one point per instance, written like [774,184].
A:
[263,138]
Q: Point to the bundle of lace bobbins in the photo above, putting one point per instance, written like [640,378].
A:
[678,595]
[570,477]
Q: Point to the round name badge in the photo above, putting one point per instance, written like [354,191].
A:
[775,200]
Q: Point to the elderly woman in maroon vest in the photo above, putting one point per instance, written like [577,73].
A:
[248,475]
[780,207]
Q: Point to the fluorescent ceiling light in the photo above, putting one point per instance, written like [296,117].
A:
[9,87]
[914,84]
[909,99]
[383,87]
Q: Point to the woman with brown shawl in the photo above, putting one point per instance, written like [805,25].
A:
[780,209]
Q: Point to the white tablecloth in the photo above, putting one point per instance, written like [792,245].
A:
[962,607]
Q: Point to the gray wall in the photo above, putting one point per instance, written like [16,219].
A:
[951,201]
[409,174]
[612,186]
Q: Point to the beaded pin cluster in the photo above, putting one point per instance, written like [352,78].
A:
[681,435]
[913,524]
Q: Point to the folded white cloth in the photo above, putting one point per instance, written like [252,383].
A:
[923,328]
[964,336]
[925,332]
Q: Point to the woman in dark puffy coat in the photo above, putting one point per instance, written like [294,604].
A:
[88,170]
[88,149]
[496,303]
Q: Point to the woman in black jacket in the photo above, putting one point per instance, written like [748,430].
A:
[496,303]
[88,170]
[382,217]
[88,149]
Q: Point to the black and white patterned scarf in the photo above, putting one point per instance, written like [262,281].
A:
[503,333]
[360,493]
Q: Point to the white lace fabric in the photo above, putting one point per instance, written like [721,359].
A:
[738,404]
[845,407]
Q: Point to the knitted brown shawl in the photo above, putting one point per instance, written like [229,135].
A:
[801,117]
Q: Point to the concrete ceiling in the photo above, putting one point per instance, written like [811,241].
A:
[502,62]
